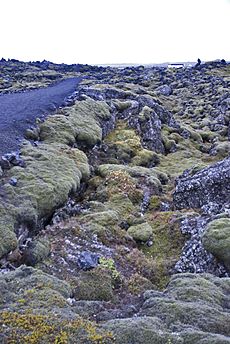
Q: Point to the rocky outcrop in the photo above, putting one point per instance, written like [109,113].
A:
[148,125]
[208,189]
[207,249]
[143,113]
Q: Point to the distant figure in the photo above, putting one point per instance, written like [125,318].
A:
[223,61]
[198,62]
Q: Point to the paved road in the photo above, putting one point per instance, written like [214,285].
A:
[18,111]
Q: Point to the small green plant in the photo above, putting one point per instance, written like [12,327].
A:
[108,263]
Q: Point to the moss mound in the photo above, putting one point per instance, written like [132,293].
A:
[142,232]
[52,172]
[79,123]
[216,240]
[94,285]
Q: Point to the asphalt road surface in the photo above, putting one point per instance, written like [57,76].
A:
[18,111]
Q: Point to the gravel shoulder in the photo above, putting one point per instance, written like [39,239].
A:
[18,111]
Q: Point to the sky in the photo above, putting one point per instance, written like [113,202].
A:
[121,31]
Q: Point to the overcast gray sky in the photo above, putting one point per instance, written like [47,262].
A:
[121,31]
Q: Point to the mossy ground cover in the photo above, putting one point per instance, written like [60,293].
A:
[167,244]
[52,172]
[128,146]
[126,217]
[79,123]
[31,328]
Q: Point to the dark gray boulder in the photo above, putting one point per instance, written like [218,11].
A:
[208,189]
[11,159]
[148,125]
[88,260]
[165,90]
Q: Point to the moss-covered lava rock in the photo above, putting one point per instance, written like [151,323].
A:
[52,172]
[94,285]
[216,240]
[142,232]
[80,123]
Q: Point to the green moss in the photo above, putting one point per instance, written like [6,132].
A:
[43,297]
[156,270]
[166,233]
[122,205]
[192,300]
[37,329]
[169,144]
[167,244]
[122,105]
[196,288]
[186,152]
[57,128]
[141,233]
[107,234]
[96,284]
[222,149]
[192,336]
[52,172]
[121,181]
[80,159]
[223,72]
[155,203]
[37,251]
[119,192]
[128,146]
[194,314]
[104,218]
[125,138]
[32,134]
[207,135]
[145,158]
[175,137]
[216,239]
[109,264]
[79,123]
[151,174]
[8,240]
[137,284]
[48,178]
[26,283]
[140,330]
[105,223]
